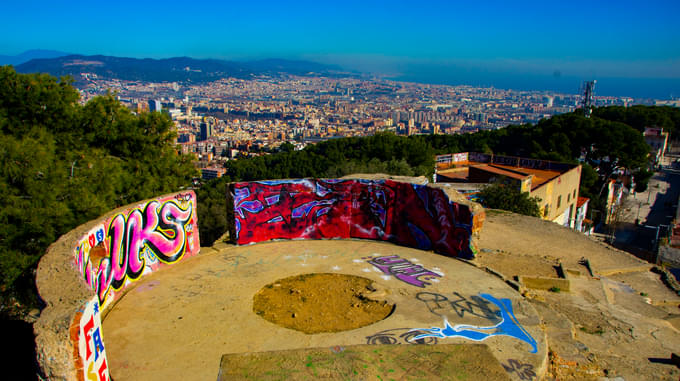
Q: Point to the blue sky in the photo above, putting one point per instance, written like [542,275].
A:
[636,39]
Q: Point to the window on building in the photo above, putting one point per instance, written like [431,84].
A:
[574,194]
[568,197]
[559,201]
[546,210]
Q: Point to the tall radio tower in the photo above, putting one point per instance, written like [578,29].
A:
[588,89]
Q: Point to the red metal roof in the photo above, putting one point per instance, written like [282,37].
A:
[581,201]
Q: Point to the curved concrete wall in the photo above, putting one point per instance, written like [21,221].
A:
[406,214]
[89,268]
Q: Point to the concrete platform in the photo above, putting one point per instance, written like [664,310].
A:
[178,323]
[367,362]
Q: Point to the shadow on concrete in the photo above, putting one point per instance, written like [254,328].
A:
[673,360]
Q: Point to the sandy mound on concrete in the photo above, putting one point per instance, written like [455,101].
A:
[314,303]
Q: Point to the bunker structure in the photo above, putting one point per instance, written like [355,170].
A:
[132,295]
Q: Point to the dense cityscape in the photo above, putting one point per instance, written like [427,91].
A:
[231,118]
[355,190]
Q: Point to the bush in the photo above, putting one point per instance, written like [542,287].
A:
[501,196]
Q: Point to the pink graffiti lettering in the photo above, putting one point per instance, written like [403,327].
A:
[404,270]
[161,229]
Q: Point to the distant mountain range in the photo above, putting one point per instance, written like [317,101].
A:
[178,69]
[30,55]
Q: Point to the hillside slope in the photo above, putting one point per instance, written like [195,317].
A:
[620,322]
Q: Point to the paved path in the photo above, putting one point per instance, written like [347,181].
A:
[654,208]
[177,323]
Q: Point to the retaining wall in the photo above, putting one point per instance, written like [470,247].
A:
[89,268]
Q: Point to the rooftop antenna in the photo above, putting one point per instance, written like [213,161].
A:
[588,89]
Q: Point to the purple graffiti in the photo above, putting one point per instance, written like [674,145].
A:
[404,270]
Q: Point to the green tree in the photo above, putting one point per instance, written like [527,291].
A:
[62,164]
[501,196]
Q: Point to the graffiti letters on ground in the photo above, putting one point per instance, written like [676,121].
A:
[399,336]
[406,214]
[91,343]
[404,270]
[508,326]
[138,241]
[440,305]
[523,371]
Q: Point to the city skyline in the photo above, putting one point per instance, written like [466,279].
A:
[539,44]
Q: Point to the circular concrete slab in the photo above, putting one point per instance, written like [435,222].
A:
[177,323]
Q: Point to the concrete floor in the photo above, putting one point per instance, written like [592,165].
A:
[177,323]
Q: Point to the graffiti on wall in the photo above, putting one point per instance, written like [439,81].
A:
[404,270]
[406,214]
[479,157]
[138,241]
[91,343]
[505,160]
[508,326]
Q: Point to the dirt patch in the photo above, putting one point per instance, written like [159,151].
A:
[315,303]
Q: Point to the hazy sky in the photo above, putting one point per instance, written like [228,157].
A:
[638,39]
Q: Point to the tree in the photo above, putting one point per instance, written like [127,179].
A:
[501,196]
[62,164]
[642,180]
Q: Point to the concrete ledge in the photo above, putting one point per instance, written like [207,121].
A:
[515,285]
[626,270]
[494,272]
[61,284]
[571,273]
[669,303]
[545,283]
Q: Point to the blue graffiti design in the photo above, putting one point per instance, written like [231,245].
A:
[272,199]
[459,224]
[370,182]
[304,209]
[238,227]
[282,182]
[379,212]
[508,326]
[250,206]
[424,243]
[377,200]
[421,191]
[321,190]
[239,204]
[323,211]
[240,194]
[275,219]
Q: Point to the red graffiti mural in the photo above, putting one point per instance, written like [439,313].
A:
[406,214]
